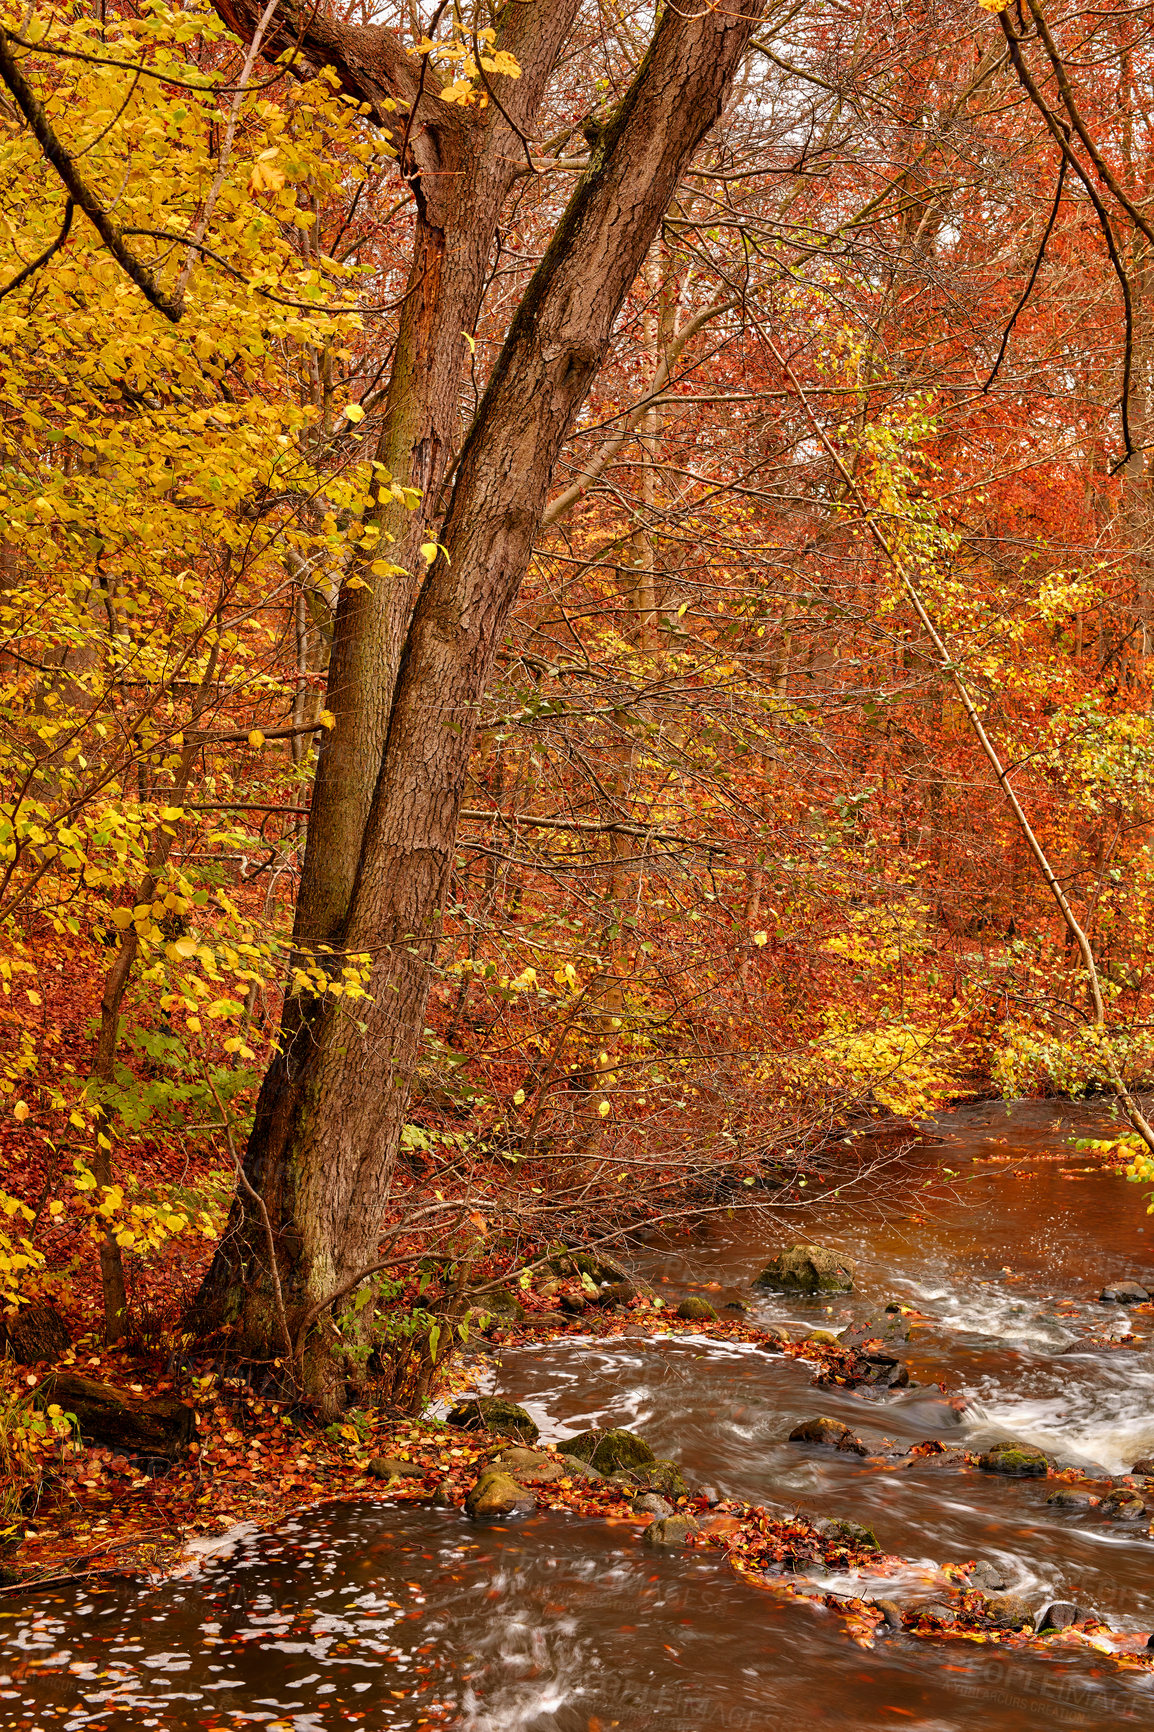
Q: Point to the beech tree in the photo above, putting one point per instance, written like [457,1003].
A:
[407,676]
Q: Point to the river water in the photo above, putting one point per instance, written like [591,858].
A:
[996,1230]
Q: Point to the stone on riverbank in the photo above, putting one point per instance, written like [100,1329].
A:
[616,1295]
[493,1413]
[499,1306]
[612,1451]
[497,1494]
[392,1467]
[665,1477]
[822,1338]
[696,1310]
[531,1466]
[775,1338]
[1020,1460]
[808,1269]
[829,1434]
[669,1531]
[159,1426]
[1144,1467]
[598,1265]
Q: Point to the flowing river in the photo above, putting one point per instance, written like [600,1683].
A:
[995,1229]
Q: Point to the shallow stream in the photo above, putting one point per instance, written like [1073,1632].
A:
[383,1616]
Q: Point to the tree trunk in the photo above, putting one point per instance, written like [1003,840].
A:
[332,1106]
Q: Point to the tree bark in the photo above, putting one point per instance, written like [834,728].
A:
[332,1107]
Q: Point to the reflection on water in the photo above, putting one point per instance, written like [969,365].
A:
[400,1617]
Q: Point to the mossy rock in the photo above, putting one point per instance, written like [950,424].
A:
[829,1434]
[823,1338]
[668,1532]
[499,1307]
[492,1413]
[665,1477]
[1011,1611]
[498,1494]
[808,1269]
[617,1295]
[696,1310]
[1019,1460]
[852,1533]
[613,1451]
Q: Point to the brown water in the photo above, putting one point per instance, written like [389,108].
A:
[400,1617]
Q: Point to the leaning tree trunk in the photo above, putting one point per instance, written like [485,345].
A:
[331,1111]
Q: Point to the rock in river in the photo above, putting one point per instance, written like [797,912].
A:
[497,1494]
[531,1466]
[986,1576]
[1122,1505]
[1061,1614]
[650,1504]
[829,1434]
[1022,1460]
[611,1451]
[493,1413]
[1124,1293]
[1011,1611]
[696,1310]
[808,1269]
[1073,1497]
[669,1531]
[885,1328]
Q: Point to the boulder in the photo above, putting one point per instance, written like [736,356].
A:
[615,1295]
[497,1494]
[1061,1614]
[392,1467]
[1123,1504]
[160,1425]
[737,1305]
[613,1451]
[774,1338]
[987,1577]
[1124,1293]
[829,1434]
[891,1614]
[697,1310]
[670,1531]
[1144,1467]
[500,1304]
[1010,1611]
[808,1269]
[1020,1460]
[1073,1497]
[531,1466]
[939,1611]
[493,1413]
[573,1303]
[34,1335]
[822,1338]
[650,1504]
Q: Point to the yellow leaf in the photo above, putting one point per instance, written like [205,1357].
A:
[265,177]
[185,947]
[256,738]
[354,412]
[429,551]
[603,1109]
[169,814]
[20,1111]
[56,1207]
[760,939]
